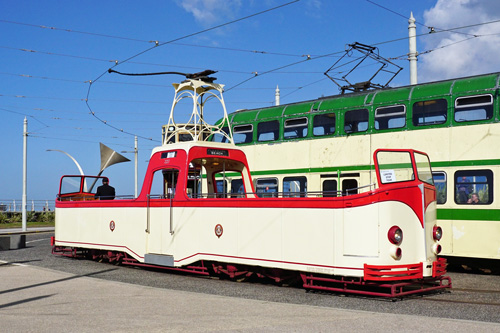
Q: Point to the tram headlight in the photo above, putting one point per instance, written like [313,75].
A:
[436,248]
[437,233]
[395,235]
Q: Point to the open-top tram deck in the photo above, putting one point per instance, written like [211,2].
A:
[198,211]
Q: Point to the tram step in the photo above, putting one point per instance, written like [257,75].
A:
[159,259]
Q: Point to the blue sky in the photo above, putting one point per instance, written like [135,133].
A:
[51,49]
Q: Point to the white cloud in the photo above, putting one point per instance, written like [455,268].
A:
[209,12]
[464,58]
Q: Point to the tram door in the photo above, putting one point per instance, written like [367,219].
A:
[160,212]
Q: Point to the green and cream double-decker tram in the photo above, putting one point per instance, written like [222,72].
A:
[327,145]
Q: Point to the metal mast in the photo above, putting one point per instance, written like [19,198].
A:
[412,56]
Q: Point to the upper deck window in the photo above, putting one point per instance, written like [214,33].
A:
[218,137]
[472,108]
[430,112]
[243,133]
[324,124]
[268,130]
[295,128]
[390,117]
[356,121]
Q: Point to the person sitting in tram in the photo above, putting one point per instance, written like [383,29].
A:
[474,199]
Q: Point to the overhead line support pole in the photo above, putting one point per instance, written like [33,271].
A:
[25,173]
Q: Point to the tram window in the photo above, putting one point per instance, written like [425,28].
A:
[474,187]
[440,184]
[218,137]
[268,130]
[390,117]
[243,133]
[237,188]
[330,188]
[164,184]
[324,124]
[221,188]
[72,184]
[295,128]
[356,121]
[267,187]
[424,171]
[430,112]
[472,108]
[349,187]
[295,186]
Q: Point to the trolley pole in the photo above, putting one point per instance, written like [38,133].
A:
[25,173]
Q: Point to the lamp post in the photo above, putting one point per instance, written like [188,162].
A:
[135,151]
[25,172]
[74,160]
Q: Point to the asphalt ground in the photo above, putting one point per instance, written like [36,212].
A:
[40,292]
[36,299]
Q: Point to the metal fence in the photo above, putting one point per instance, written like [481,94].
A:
[15,205]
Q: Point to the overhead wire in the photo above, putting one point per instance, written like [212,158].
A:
[403,16]
[151,41]
[157,44]
[255,74]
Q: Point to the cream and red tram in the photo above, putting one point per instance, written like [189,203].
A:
[384,239]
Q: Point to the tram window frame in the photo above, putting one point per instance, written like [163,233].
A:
[435,109]
[267,181]
[217,137]
[295,128]
[302,182]
[245,130]
[326,127]
[471,107]
[441,185]
[356,120]
[332,190]
[267,128]
[392,116]
[469,182]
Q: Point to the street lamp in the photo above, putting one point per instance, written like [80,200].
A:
[74,160]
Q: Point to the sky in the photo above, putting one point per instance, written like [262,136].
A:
[50,51]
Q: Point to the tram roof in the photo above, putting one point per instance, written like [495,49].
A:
[373,97]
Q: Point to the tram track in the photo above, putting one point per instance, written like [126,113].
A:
[460,301]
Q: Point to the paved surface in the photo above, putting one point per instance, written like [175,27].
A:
[28,230]
[34,299]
